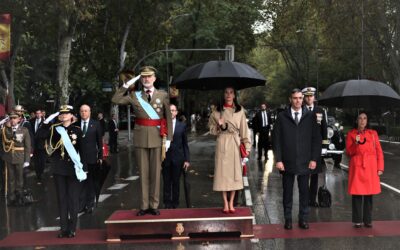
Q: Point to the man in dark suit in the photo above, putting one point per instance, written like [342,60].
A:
[102,123]
[113,134]
[176,161]
[262,124]
[39,152]
[319,116]
[92,155]
[297,147]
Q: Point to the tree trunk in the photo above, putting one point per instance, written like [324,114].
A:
[64,53]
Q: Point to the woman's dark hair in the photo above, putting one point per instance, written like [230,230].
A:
[220,105]
[356,119]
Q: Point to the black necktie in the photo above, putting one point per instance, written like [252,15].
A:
[296,118]
[84,128]
[148,93]
[310,108]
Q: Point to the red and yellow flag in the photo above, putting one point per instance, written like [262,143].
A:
[5,41]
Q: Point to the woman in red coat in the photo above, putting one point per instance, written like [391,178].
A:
[366,165]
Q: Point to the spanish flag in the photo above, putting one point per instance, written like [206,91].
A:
[5,41]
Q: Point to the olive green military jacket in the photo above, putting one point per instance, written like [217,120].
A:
[16,149]
[146,136]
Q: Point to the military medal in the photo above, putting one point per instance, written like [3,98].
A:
[158,110]
[154,105]
[158,100]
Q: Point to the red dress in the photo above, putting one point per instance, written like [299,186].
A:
[365,161]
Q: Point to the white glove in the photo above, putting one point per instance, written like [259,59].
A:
[131,81]
[324,151]
[26,164]
[167,145]
[4,120]
[51,117]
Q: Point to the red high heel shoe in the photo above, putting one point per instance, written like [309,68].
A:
[232,211]
[225,211]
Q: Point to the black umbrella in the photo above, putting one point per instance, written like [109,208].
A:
[100,176]
[359,94]
[186,186]
[219,75]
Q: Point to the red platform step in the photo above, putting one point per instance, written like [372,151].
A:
[179,223]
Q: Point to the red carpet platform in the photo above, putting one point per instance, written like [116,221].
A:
[268,231]
[179,223]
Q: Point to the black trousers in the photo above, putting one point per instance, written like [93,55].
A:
[39,159]
[113,142]
[288,182]
[263,142]
[362,208]
[2,177]
[88,193]
[68,189]
[171,178]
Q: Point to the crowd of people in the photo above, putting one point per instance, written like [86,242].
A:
[74,148]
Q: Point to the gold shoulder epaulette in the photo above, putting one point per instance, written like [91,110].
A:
[56,124]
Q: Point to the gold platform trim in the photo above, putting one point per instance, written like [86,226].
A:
[113,240]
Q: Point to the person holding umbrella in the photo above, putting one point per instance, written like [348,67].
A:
[228,123]
[366,166]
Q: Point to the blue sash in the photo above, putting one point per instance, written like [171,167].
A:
[80,174]
[147,107]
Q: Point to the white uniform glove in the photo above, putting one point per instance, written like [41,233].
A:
[324,151]
[4,120]
[26,164]
[51,117]
[167,145]
[131,81]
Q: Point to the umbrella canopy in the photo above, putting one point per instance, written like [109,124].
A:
[359,94]
[214,75]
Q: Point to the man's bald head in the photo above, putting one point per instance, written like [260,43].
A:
[84,111]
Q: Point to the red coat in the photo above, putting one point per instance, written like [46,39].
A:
[365,161]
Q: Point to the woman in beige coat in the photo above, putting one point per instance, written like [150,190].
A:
[228,123]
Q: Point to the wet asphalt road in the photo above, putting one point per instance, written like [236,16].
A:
[266,191]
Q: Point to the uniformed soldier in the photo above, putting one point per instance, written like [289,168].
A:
[16,145]
[20,110]
[63,144]
[309,98]
[152,123]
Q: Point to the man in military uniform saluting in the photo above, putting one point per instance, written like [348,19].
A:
[16,145]
[153,122]
[309,98]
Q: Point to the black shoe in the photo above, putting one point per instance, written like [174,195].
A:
[303,225]
[313,204]
[369,225]
[71,234]
[167,206]
[153,211]
[63,234]
[141,212]
[288,225]
[357,225]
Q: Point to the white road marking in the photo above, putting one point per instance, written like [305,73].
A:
[393,142]
[117,186]
[382,183]
[44,229]
[388,153]
[102,197]
[245,181]
[132,178]
[249,201]
[192,142]
[207,133]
